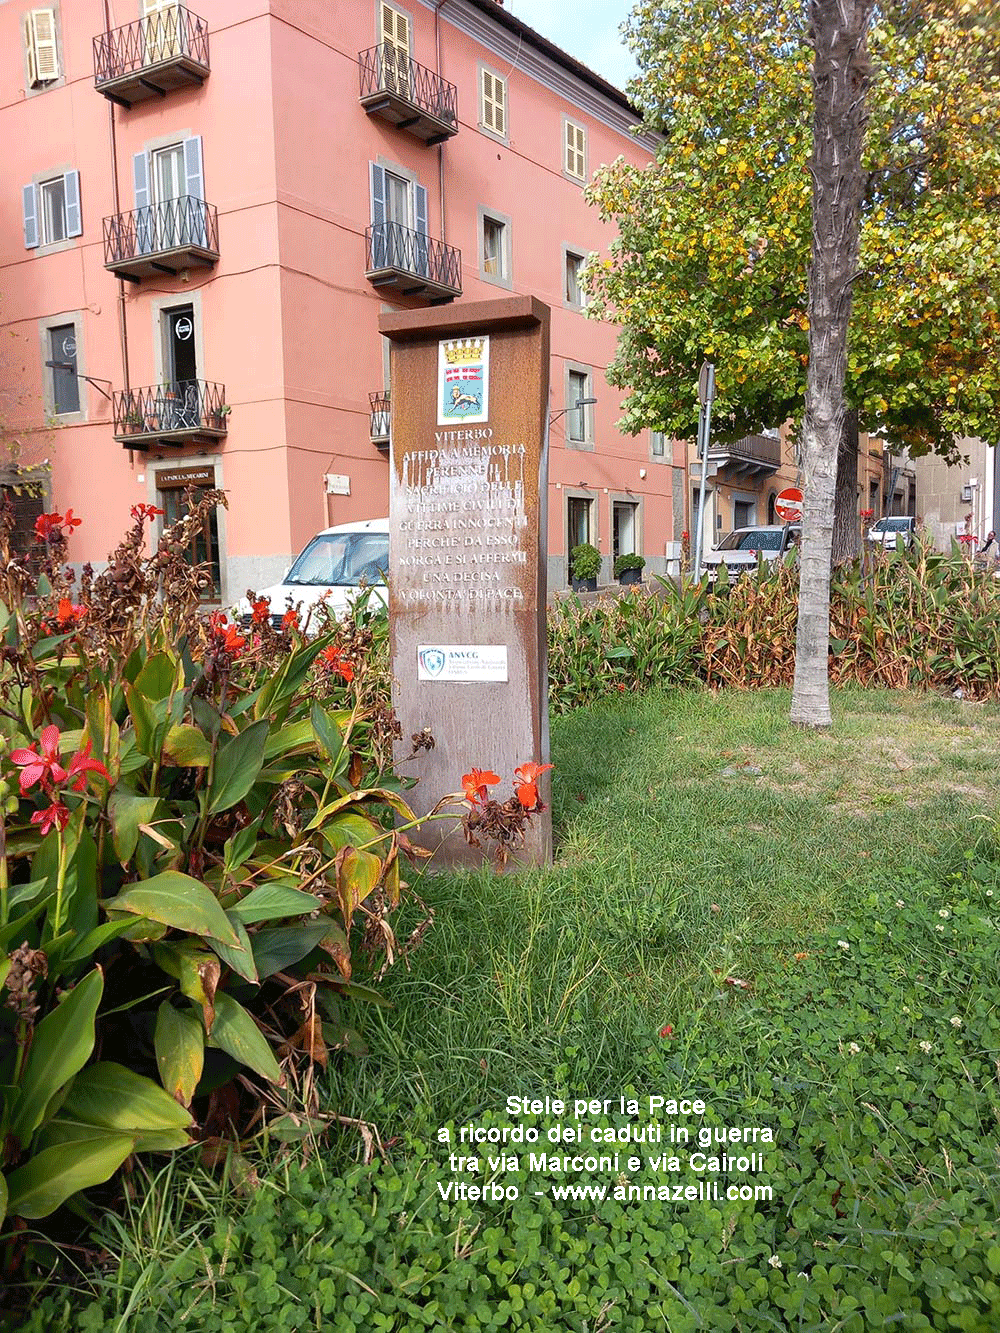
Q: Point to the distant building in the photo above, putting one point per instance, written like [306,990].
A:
[206,213]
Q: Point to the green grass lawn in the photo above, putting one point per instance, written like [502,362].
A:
[798,928]
[667,872]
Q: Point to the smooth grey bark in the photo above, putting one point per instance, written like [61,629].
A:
[841,77]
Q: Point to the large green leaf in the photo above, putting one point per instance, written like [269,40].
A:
[186,747]
[145,717]
[180,1051]
[157,677]
[235,1032]
[178,901]
[379,794]
[295,738]
[330,737]
[109,1096]
[51,1177]
[241,959]
[19,894]
[272,902]
[242,845]
[276,949]
[358,873]
[127,812]
[237,765]
[64,1040]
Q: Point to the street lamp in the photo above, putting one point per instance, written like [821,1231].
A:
[580,402]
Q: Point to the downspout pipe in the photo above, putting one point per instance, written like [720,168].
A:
[113,138]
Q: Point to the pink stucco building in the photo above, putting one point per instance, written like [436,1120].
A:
[206,213]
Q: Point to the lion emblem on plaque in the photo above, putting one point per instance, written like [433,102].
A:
[463,380]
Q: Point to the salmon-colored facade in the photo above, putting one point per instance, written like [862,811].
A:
[206,214]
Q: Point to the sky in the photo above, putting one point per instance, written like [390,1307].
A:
[587,29]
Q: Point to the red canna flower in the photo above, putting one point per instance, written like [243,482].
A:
[69,522]
[68,615]
[289,621]
[46,525]
[666,1030]
[142,512]
[331,659]
[261,608]
[867,513]
[56,816]
[526,783]
[44,767]
[227,635]
[474,785]
[81,764]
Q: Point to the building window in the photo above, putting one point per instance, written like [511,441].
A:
[579,421]
[575,151]
[176,489]
[495,247]
[51,210]
[624,528]
[61,364]
[399,208]
[573,292]
[657,444]
[744,513]
[493,103]
[41,47]
[579,521]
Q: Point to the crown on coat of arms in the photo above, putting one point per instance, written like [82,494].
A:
[464,351]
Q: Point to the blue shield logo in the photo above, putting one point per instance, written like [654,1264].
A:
[432,661]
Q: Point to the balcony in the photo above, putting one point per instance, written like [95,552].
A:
[151,57]
[751,456]
[379,419]
[407,95]
[412,263]
[180,413]
[162,238]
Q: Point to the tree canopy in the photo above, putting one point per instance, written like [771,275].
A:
[714,238]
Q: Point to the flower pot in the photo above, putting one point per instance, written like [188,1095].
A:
[585,585]
[630,576]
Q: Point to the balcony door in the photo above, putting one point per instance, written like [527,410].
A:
[395,50]
[168,184]
[161,30]
[399,222]
[181,406]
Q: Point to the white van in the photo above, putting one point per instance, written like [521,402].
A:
[332,568]
[886,530]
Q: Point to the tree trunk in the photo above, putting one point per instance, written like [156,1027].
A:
[845,508]
[841,77]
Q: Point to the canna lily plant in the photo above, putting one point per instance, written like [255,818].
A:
[201,821]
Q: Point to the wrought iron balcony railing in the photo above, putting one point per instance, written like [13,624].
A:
[406,94]
[161,238]
[164,50]
[412,262]
[170,413]
[380,408]
[751,453]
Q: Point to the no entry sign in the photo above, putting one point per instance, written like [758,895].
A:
[788,505]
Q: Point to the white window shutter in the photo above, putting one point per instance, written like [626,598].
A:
[29,51]
[74,213]
[380,240]
[144,228]
[43,40]
[420,210]
[29,203]
[193,168]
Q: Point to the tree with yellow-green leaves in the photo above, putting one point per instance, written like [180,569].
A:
[778,120]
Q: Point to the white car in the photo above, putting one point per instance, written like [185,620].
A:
[886,530]
[334,568]
[740,550]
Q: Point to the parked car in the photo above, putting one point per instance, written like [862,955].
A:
[886,530]
[743,547]
[333,568]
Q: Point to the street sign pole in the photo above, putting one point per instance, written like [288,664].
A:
[706,396]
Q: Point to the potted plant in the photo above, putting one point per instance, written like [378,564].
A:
[219,416]
[628,568]
[585,565]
